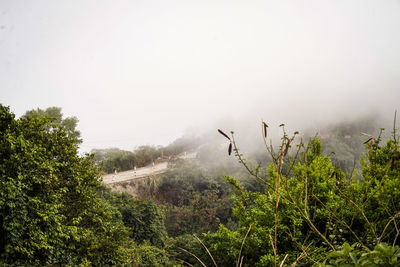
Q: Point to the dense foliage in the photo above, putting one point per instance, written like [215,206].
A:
[305,207]
[144,220]
[50,212]
[55,115]
[196,199]
[309,210]
[54,209]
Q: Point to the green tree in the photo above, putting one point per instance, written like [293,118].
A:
[50,211]
[143,218]
[197,199]
[55,115]
[114,159]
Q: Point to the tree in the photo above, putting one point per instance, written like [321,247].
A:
[143,218]
[196,199]
[55,115]
[114,159]
[50,211]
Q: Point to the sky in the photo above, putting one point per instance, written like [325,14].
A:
[147,72]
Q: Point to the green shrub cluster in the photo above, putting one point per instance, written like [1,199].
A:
[196,200]
[310,210]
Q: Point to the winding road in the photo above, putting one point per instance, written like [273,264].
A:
[143,172]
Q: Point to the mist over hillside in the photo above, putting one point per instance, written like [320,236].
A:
[199,133]
[343,140]
[172,66]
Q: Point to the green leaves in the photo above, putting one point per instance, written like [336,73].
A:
[55,116]
[50,211]
[382,255]
[319,209]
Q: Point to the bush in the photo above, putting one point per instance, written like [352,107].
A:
[309,208]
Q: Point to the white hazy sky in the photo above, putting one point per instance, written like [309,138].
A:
[143,72]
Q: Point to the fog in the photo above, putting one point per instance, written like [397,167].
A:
[147,72]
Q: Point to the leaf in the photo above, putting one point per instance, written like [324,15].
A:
[224,134]
[335,254]
[346,248]
[353,257]
[265,129]
[230,149]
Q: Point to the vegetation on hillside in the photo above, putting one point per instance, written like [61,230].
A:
[196,200]
[54,209]
[309,211]
[114,159]
[300,206]
[50,211]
